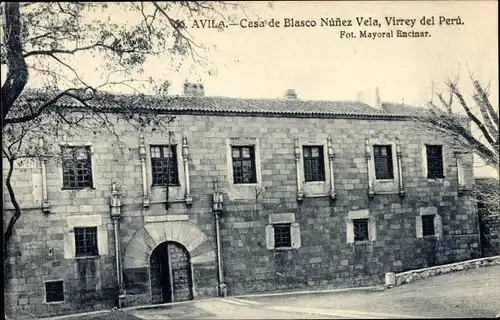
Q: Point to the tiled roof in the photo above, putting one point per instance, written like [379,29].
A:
[404,109]
[224,105]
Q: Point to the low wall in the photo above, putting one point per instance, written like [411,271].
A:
[396,279]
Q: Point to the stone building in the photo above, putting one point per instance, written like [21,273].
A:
[263,195]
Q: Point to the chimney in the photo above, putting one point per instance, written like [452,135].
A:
[372,101]
[194,89]
[360,97]
[290,94]
[378,101]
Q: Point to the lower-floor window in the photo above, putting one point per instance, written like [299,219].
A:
[282,235]
[428,225]
[360,229]
[54,291]
[86,242]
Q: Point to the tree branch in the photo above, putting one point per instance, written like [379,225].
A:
[470,115]
[484,97]
[39,111]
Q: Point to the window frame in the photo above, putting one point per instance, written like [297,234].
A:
[47,291]
[389,157]
[174,164]
[366,232]
[428,219]
[94,252]
[73,149]
[279,236]
[433,175]
[240,159]
[306,159]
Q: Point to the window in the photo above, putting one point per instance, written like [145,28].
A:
[164,165]
[54,291]
[314,167]
[434,161]
[382,156]
[428,225]
[77,167]
[282,235]
[360,229]
[243,164]
[86,241]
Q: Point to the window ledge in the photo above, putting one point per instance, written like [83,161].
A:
[283,248]
[54,302]
[431,237]
[393,191]
[245,184]
[385,180]
[79,189]
[316,195]
[436,179]
[362,243]
[164,187]
[87,257]
[314,182]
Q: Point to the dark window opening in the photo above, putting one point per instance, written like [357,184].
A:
[54,291]
[314,166]
[434,161]
[164,165]
[77,167]
[282,236]
[428,225]
[86,242]
[360,229]
[382,156]
[243,164]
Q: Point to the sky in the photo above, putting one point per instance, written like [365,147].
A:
[320,65]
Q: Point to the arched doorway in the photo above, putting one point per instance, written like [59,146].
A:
[170,271]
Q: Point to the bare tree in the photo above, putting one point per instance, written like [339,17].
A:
[474,129]
[482,139]
[45,43]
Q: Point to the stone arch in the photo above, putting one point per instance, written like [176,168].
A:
[186,233]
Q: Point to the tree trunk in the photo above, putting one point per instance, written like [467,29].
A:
[17,211]
[17,70]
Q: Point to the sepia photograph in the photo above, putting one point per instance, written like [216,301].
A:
[250,160]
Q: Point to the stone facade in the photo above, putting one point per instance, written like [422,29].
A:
[322,253]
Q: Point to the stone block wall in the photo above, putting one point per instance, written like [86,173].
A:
[324,257]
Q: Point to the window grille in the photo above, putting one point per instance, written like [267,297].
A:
[77,167]
[282,236]
[164,165]
[360,229]
[86,241]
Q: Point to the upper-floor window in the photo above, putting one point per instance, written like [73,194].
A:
[382,156]
[314,166]
[164,165]
[77,167]
[434,161]
[243,164]
[86,242]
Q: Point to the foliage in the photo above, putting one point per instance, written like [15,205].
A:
[60,47]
